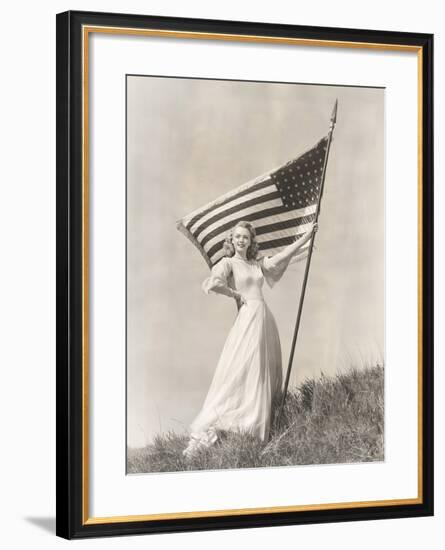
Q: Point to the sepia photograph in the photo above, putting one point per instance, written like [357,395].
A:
[255,290]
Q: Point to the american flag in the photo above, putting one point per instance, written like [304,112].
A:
[281,205]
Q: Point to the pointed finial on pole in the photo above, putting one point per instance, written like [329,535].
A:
[334,114]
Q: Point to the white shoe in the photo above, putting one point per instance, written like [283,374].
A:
[200,440]
[191,448]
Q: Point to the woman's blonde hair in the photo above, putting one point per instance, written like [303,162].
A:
[252,251]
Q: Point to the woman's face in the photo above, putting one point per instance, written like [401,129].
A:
[241,240]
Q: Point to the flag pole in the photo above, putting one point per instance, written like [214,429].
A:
[308,263]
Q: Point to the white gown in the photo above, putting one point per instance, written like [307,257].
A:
[248,377]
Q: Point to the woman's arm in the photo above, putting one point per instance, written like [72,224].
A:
[273,267]
[220,287]
[218,282]
[293,248]
[300,255]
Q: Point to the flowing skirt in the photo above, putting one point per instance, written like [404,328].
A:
[247,380]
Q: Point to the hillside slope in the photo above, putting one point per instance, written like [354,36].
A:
[325,421]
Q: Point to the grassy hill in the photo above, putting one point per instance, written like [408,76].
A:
[325,421]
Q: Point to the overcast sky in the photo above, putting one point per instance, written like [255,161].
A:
[189,141]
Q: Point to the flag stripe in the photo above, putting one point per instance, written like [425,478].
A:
[250,217]
[238,200]
[277,243]
[270,226]
[289,232]
[226,199]
[206,226]
[291,218]
[285,215]
[245,214]
[276,234]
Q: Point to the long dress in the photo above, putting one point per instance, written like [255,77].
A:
[248,377]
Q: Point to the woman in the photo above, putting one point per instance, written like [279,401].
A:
[248,378]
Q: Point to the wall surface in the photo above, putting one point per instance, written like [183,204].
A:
[27,292]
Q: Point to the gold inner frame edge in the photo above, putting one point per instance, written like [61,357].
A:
[128,31]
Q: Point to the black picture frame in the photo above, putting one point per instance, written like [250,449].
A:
[71,506]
